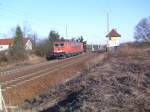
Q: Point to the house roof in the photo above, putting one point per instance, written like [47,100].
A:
[113,33]
[6,41]
[10,41]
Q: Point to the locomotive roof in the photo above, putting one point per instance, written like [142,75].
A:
[67,41]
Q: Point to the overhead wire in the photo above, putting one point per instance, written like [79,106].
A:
[9,11]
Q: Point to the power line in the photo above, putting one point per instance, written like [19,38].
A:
[11,11]
[18,11]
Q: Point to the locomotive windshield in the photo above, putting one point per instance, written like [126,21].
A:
[56,45]
[62,44]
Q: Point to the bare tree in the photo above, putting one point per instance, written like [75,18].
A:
[42,47]
[27,30]
[34,38]
[142,30]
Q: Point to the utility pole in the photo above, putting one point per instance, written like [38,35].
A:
[34,40]
[92,47]
[107,22]
[66,32]
[1,100]
[107,16]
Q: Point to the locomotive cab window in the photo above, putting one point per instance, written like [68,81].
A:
[56,45]
[62,44]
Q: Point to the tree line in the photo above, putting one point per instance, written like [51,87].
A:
[46,45]
[41,48]
[17,49]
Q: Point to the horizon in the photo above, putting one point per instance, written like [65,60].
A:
[87,18]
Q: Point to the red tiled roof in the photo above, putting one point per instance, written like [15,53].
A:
[113,33]
[10,41]
[6,41]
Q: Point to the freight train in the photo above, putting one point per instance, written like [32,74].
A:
[63,49]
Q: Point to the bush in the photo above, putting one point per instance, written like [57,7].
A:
[42,48]
[3,57]
[142,44]
[128,51]
[11,55]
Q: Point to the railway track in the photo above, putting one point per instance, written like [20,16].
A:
[19,69]
[29,82]
[24,72]
[34,75]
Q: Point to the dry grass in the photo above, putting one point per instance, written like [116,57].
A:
[36,87]
[128,51]
[31,60]
[112,85]
[130,54]
[124,88]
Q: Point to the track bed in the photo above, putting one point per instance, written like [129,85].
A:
[25,84]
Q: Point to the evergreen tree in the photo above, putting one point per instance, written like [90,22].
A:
[62,39]
[53,36]
[81,38]
[18,45]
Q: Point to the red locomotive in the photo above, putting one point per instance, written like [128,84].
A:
[62,49]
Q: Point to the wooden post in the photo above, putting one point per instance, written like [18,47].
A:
[2,102]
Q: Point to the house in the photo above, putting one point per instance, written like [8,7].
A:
[5,43]
[113,38]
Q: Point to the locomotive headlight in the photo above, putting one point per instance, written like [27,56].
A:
[59,51]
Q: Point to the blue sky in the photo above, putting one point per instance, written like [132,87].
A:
[82,17]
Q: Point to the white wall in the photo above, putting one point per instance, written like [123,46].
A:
[111,43]
[28,45]
[4,47]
